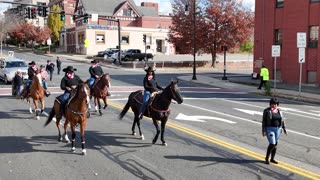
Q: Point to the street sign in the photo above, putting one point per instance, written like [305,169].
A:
[49,42]
[276,50]
[302,55]
[94,17]
[301,40]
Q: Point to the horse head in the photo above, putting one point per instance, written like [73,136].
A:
[106,80]
[83,91]
[175,91]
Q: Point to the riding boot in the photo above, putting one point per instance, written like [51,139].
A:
[273,153]
[269,150]
[46,92]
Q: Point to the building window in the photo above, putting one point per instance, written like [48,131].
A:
[125,39]
[279,3]
[127,12]
[148,39]
[278,36]
[314,1]
[313,36]
[100,38]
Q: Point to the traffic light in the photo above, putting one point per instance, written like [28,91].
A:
[144,38]
[85,18]
[62,16]
[33,13]
[28,12]
[39,9]
[45,11]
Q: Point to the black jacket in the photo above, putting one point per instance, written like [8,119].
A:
[267,118]
[18,80]
[66,82]
[31,73]
[95,71]
[151,85]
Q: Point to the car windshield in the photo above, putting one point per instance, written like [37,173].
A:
[13,64]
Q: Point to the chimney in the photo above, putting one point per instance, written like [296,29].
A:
[150,4]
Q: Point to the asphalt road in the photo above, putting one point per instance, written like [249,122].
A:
[214,134]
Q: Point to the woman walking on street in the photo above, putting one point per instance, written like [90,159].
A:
[272,124]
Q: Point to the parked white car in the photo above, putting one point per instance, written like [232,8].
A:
[115,56]
[9,66]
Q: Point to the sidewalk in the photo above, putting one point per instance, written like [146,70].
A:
[238,80]
[247,84]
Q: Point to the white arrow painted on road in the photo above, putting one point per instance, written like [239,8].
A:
[199,118]
[249,111]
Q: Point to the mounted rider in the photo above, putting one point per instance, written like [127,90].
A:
[68,83]
[32,71]
[96,72]
[150,86]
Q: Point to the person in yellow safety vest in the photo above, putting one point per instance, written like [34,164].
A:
[264,76]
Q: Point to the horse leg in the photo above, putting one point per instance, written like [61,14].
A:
[95,104]
[30,108]
[42,105]
[89,105]
[82,127]
[138,123]
[35,102]
[65,127]
[73,130]
[155,122]
[99,105]
[163,126]
[136,118]
[105,102]
[58,126]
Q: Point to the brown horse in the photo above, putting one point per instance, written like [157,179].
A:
[100,91]
[37,95]
[158,109]
[76,113]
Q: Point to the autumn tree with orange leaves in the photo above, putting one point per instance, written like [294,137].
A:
[218,23]
[28,33]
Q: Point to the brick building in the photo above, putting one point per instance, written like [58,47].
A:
[277,22]
[135,21]
[69,7]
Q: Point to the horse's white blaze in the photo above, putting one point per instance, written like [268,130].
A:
[88,98]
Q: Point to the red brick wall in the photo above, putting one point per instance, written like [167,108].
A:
[295,16]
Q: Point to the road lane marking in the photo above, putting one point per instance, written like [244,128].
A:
[184,117]
[289,167]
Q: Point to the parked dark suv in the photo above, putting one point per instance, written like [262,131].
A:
[107,53]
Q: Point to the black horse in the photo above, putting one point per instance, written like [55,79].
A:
[158,109]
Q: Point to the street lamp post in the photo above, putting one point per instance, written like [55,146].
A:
[194,77]
[224,48]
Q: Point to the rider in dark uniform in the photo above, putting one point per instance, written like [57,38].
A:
[150,85]
[95,72]
[32,71]
[68,82]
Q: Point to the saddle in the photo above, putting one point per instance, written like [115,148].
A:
[140,100]
[72,95]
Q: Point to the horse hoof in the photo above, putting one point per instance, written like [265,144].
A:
[41,111]
[59,139]
[142,137]
[73,149]
[100,113]
[84,152]
[88,115]
[133,133]
[105,106]
[153,142]
[164,144]
[38,118]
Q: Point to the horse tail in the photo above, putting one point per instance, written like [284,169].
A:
[50,117]
[124,110]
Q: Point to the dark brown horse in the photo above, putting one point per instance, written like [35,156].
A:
[158,109]
[100,91]
[76,113]
[37,94]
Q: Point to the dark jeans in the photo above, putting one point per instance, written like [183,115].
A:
[50,74]
[58,68]
[262,83]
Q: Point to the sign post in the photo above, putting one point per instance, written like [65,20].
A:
[301,45]
[276,50]
[49,43]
